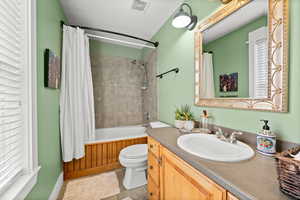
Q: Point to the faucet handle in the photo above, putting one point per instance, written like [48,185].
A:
[232,138]
[237,133]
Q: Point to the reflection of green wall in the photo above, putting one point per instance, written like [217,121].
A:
[231,55]
[108,49]
[177,49]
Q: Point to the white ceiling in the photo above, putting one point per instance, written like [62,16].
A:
[243,16]
[118,15]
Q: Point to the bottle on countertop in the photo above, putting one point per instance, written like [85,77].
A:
[266,140]
[205,122]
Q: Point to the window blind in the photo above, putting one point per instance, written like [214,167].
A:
[11,91]
[258,63]
[261,68]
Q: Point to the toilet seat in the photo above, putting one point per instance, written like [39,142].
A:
[133,160]
[135,152]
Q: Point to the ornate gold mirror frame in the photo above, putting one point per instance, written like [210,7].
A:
[278,18]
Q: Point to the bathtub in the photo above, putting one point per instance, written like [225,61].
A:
[119,133]
[103,154]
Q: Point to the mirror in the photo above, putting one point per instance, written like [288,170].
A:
[235,54]
[238,49]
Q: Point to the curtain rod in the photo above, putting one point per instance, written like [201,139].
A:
[121,41]
[155,44]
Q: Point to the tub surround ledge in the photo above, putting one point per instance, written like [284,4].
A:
[247,180]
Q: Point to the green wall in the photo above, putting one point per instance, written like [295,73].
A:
[108,49]
[49,14]
[177,49]
[230,55]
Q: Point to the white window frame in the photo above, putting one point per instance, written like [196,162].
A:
[255,35]
[24,183]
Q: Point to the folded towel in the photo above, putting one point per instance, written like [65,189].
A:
[127,198]
[158,125]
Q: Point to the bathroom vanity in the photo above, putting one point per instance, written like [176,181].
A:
[175,174]
[172,178]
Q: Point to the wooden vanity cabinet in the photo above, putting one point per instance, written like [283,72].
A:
[153,147]
[171,178]
[153,169]
[179,181]
[231,196]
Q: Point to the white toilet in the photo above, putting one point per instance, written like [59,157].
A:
[134,158]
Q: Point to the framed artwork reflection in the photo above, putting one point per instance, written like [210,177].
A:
[229,82]
[52,70]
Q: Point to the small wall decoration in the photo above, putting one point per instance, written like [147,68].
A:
[229,82]
[52,70]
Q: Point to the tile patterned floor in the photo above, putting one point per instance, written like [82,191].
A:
[139,193]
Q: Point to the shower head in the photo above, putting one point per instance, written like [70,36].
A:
[142,65]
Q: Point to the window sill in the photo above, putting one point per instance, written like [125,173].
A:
[22,187]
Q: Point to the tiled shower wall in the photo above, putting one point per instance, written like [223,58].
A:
[119,99]
[149,104]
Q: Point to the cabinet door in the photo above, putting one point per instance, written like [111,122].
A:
[153,190]
[179,181]
[153,168]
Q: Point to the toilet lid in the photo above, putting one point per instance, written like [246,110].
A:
[135,151]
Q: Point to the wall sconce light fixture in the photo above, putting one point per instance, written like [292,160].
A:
[183,19]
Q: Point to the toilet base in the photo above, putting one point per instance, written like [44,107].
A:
[134,177]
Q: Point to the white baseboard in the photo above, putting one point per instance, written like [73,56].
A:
[59,183]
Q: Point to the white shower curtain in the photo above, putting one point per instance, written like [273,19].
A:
[207,85]
[77,116]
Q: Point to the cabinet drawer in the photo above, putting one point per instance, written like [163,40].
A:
[153,168]
[153,190]
[153,146]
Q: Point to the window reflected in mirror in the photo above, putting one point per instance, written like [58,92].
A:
[235,55]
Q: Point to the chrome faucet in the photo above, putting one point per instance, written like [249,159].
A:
[231,139]
[220,135]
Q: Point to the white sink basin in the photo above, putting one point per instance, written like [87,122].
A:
[210,147]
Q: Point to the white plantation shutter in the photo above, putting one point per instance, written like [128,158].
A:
[12,88]
[258,63]
[261,69]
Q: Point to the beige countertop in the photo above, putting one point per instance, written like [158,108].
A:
[252,179]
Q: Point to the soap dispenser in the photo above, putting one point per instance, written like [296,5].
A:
[266,140]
